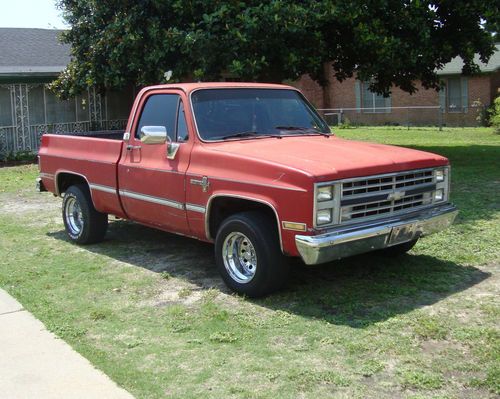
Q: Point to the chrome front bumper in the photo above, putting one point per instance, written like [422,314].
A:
[346,241]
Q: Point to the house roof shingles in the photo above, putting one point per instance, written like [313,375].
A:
[454,67]
[27,51]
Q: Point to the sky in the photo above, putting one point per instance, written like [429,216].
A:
[30,14]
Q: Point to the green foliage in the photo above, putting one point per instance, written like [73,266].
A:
[346,124]
[116,44]
[482,113]
[19,156]
[495,115]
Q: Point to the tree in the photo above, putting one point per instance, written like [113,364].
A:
[121,42]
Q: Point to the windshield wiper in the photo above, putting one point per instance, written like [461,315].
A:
[305,130]
[247,134]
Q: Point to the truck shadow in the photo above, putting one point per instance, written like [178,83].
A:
[357,292]
[370,288]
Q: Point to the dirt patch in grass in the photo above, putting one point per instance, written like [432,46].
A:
[27,203]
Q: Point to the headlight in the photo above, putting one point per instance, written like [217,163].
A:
[326,196]
[440,176]
[439,195]
[442,180]
[325,193]
[324,216]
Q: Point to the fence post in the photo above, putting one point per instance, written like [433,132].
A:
[408,117]
[341,117]
[441,112]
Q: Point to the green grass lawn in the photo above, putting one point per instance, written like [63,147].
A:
[149,309]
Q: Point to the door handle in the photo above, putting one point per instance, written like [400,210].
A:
[133,147]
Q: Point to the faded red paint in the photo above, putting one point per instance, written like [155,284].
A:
[277,172]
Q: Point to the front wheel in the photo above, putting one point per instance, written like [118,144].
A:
[83,223]
[248,255]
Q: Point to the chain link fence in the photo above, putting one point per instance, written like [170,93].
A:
[414,116]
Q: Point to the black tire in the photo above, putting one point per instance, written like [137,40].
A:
[399,249]
[94,226]
[271,267]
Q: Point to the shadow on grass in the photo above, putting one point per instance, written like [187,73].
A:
[356,292]
[371,288]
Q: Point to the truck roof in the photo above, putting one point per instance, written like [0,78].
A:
[189,87]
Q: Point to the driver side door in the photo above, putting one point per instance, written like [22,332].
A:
[152,183]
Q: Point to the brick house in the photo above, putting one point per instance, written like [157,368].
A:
[458,104]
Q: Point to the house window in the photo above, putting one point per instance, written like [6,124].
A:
[36,105]
[454,95]
[5,107]
[369,101]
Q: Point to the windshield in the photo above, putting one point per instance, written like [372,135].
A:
[225,113]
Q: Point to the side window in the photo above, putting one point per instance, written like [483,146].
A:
[454,95]
[159,110]
[182,130]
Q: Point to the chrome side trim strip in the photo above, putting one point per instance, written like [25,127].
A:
[100,187]
[155,169]
[47,176]
[150,198]
[195,208]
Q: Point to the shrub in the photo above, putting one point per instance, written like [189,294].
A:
[495,115]
[482,113]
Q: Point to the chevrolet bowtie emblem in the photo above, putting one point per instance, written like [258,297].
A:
[396,196]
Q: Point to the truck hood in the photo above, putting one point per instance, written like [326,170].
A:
[330,158]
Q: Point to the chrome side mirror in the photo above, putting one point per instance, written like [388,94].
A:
[172,148]
[153,134]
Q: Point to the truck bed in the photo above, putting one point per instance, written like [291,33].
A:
[92,155]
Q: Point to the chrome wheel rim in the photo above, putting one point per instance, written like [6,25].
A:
[240,257]
[74,216]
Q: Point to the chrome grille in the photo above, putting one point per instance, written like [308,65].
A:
[384,195]
[380,184]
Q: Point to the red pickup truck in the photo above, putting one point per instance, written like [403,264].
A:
[253,168]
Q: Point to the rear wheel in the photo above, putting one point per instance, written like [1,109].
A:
[83,223]
[399,249]
[248,255]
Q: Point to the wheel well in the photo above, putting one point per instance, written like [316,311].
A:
[66,180]
[223,207]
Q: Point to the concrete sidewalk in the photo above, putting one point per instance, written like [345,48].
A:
[36,364]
